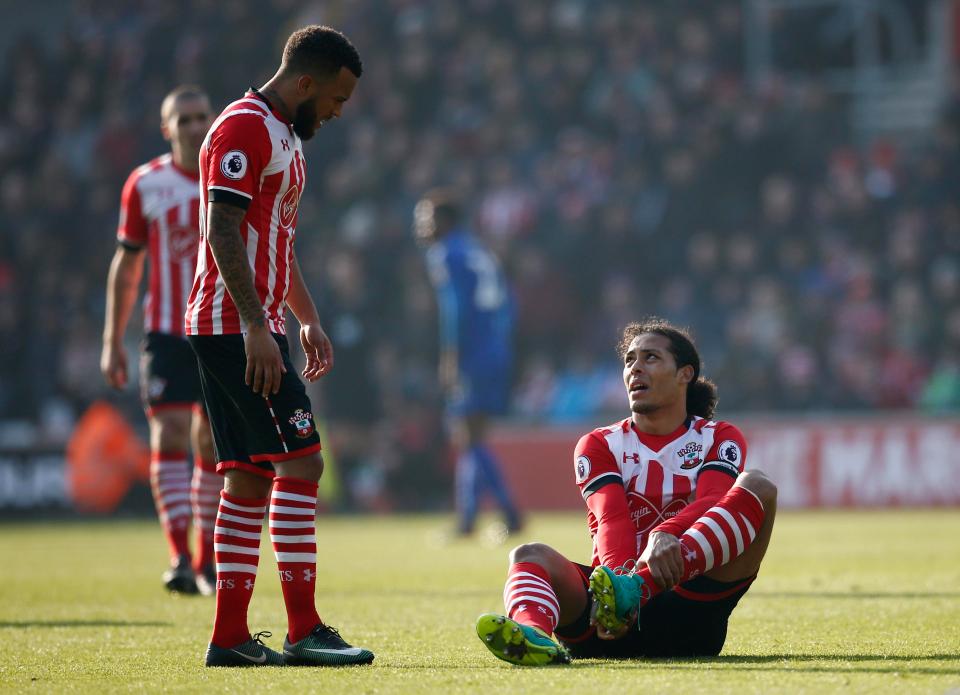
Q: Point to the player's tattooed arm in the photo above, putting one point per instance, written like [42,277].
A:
[226,242]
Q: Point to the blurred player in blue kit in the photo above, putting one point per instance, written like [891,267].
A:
[476,315]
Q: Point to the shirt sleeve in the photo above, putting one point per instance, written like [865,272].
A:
[237,153]
[448,310]
[594,465]
[615,540]
[132,230]
[728,453]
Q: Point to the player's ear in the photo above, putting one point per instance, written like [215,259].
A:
[306,85]
[685,374]
[164,130]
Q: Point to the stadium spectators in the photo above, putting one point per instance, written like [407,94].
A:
[620,164]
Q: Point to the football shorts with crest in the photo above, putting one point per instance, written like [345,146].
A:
[251,432]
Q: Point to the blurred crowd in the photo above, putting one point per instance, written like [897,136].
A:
[615,158]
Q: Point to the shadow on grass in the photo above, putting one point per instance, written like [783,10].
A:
[846,595]
[82,623]
[812,663]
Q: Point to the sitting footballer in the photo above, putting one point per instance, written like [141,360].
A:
[679,529]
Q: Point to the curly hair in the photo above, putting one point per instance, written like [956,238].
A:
[701,392]
[320,50]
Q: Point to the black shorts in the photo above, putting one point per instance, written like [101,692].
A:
[169,376]
[251,432]
[689,621]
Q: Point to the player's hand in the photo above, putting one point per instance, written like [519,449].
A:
[318,350]
[264,361]
[448,373]
[113,364]
[662,557]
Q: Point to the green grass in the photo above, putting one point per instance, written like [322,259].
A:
[852,602]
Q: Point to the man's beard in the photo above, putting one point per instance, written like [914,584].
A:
[645,408]
[304,120]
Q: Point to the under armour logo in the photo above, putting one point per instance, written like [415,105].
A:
[634,457]
[308,574]
[542,609]
[688,555]
[248,585]
[285,145]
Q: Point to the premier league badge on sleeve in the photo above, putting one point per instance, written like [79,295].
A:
[729,451]
[234,165]
[582,466]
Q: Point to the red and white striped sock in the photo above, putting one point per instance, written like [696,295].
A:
[205,490]
[722,534]
[293,530]
[170,482]
[529,597]
[237,550]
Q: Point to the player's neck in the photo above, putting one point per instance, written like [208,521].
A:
[272,91]
[660,422]
[188,164]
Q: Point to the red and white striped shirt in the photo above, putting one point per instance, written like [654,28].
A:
[659,473]
[249,154]
[159,211]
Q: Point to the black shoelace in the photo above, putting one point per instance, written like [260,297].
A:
[331,632]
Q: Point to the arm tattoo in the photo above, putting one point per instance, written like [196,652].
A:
[230,254]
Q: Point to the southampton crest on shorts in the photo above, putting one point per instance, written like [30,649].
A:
[303,421]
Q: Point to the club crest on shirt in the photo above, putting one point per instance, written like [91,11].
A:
[233,165]
[303,421]
[288,206]
[729,451]
[582,468]
[690,453]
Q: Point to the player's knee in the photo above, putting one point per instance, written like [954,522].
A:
[240,483]
[312,466]
[169,433]
[308,467]
[760,485]
[319,464]
[530,552]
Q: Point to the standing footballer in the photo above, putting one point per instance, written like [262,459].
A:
[159,220]
[252,176]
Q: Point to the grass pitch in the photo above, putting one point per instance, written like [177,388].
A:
[852,602]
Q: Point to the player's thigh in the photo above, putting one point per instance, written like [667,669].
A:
[169,376]
[293,434]
[201,437]
[690,621]
[169,429]
[225,396]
